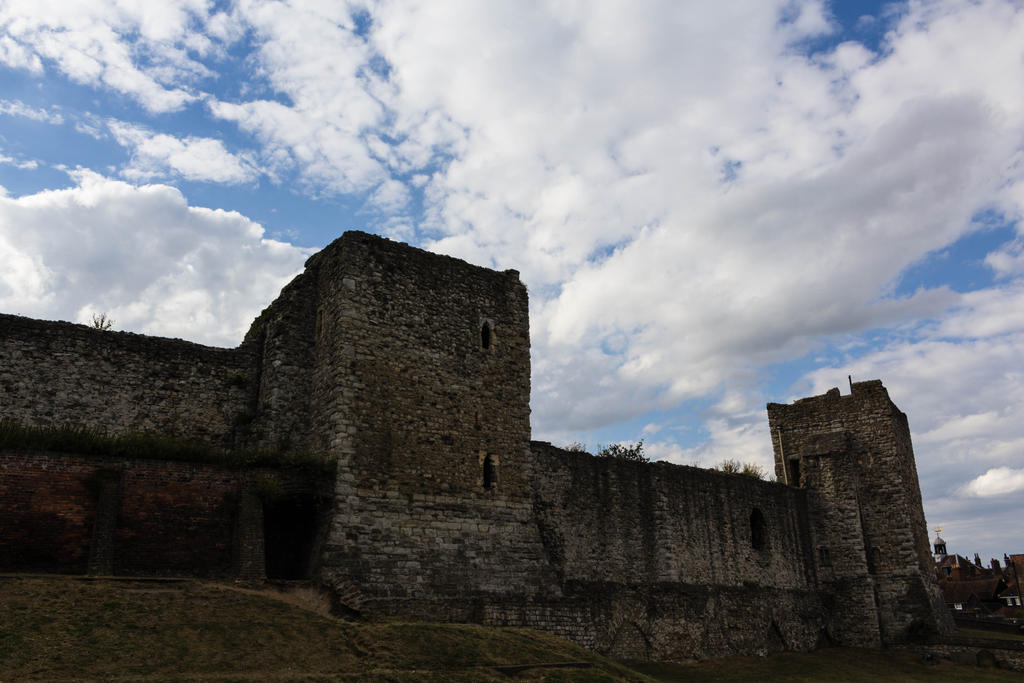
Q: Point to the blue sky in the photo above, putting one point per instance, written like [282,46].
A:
[712,207]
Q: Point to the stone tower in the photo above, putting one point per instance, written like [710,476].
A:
[854,457]
[412,372]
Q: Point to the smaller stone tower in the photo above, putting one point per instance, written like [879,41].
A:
[854,456]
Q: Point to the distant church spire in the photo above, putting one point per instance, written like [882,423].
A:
[940,545]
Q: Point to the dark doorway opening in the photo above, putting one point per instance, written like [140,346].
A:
[794,472]
[289,532]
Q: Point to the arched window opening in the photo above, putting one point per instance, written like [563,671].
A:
[490,473]
[758,530]
[485,335]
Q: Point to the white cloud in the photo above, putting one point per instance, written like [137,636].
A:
[24,165]
[996,482]
[141,254]
[1007,261]
[193,158]
[17,56]
[960,383]
[312,55]
[745,203]
[737,430]
[137,48]
[19,108]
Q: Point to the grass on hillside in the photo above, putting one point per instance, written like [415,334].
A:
[68,628]
[991,635]
[64,628]
[852,665]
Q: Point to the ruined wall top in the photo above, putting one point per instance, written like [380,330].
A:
[870,391]
[59,373]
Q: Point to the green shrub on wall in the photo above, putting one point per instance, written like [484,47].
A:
[621,451]
[747,469]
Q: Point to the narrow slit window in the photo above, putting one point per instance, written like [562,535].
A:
[490,474]
[485,335]
[319,322]
[758,530]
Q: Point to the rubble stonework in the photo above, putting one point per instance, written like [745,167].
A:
[56,373]
[854,457]
[411,372]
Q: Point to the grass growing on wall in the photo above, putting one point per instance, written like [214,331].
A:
[83,440]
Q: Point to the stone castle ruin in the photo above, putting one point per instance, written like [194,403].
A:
[410,372]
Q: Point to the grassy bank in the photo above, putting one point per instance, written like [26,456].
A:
[850,665]
[67,628]
[991,635]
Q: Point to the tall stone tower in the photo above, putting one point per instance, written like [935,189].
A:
[854,457]
[412,372]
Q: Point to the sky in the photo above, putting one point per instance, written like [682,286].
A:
[713,205]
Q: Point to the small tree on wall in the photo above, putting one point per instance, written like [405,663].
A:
[634,452]
[101,321]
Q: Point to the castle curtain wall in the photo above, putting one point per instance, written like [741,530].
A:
[694,561]
[54,374]
[629,522]
[411,373]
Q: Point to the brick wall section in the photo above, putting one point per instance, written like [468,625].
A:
[172,518]
[47,509]
[853,454]
[105,485]
[249,543]
[57,373]
[176,518]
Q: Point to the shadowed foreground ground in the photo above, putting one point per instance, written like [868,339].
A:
[67,628]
